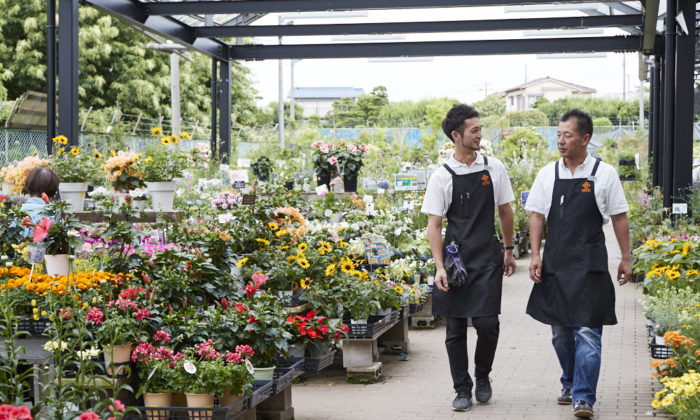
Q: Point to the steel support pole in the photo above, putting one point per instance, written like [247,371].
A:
[175,124]
[50,74]
[655,111]
[225,111]
[68,70]
[280,94]
[683,114]
[669,102]
[214,106]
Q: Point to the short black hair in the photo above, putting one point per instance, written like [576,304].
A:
[41,180]
[454,121]
[584,122]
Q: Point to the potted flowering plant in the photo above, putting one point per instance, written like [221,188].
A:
[156,370]
[325,161]
[350,161]
[159,168]
[73,168]
[57,233]
[313,332]
[122,171]
[15,175]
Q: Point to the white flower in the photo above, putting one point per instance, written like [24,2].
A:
[139,193]
[52,346]
[89,353]
[99,192]
[225,218]
[73,233]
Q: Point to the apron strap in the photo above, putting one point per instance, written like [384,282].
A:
[595,168]
[556,171]
[449,170]
[486,161]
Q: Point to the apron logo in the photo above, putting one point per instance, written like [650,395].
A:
[586,187]
[485,179]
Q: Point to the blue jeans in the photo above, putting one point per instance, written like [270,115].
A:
[578,350]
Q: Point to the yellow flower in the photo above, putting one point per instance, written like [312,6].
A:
[305,283]
[284,247]
[347,266]
[326,246]
[97,154]
[148,159]
[302,247]
[398,289]
[185,135]
[691,273]
[330,270]
[303,263]
[60,139]
[60,151]
[263,241]
[686,248]
[75,151]
[295,285]
[273,225]
[113,153]
[321,251]
[156,131]
[166,140]
[242,262]
[280,233]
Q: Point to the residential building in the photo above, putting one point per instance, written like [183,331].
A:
[523,97]
[319,100]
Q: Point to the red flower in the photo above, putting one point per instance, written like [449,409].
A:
[89,415]
[2,198]
[118,406]
[245,349]
[42,229]
[240,308]
[45,197]
[143,314]
[145,277]
[252,319]
[10,412]
[27,221]
[95,315]
[337,335]
[311,333]
[233,357]
[250,289]
[310,315]
[290,319]
[323,328]
[161,335]
[224,303]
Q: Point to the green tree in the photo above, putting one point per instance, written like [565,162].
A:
[401,114]
[372,104]
[346,113]
[531,117]
[491,106]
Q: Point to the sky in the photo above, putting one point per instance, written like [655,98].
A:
[466,78]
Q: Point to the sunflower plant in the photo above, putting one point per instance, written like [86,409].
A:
[160,163]
[70,164]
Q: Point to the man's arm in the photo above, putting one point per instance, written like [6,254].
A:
[505,213]
[536,229]
[621,226]
[435,241]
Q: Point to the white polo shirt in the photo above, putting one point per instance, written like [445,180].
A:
[438,194]
[609,194]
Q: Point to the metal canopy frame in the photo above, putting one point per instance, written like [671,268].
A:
[198,25]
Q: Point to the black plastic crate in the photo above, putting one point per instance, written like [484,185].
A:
[262,390]
[414,308]
[316,364]
[229,412]
[660,351]
[32,326]
[284,376]
[374,324]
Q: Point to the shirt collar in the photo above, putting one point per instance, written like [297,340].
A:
[587,162]
[35,200]
[454,163]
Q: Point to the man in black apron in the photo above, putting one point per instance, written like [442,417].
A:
[573,290]
[466,191]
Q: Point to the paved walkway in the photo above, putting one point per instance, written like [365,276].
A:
[525,378]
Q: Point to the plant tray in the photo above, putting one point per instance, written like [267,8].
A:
[374,324]
[262,390]
[316,364]
[414,308]
[660,351]
[229,412]
[33,327]
[284,376]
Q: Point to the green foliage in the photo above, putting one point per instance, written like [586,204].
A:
[346,113]
[364,111]
[160,164]
[529,118]
[613,109]
[491,106]
[399,114]
[521,144]
[372,104]
[601,122]
[261,168]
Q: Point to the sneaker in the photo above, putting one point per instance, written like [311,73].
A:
[462,402]
[583,409]
[565,397]
[483,389]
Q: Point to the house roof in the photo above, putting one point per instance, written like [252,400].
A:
[326,92]
[582,89]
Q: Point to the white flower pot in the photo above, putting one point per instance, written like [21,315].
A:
[139,205]
[162,195]
[73,193]
[57,265]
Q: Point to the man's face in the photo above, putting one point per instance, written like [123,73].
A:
[470,137]
[570,142]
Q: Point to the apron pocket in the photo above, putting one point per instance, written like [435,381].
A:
[596,258]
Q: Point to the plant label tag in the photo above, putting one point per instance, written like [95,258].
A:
[248,199]
[249,366]
[328,213]
[680,208]
[190,367]
[431,280]
[523,197]
[36,255]
[369,209]
[152,372]
[244,163]
[380,190]
[322,189]
[368,198]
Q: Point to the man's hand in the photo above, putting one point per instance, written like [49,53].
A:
[536,268]
[508,264]
[441,279]
[624,272]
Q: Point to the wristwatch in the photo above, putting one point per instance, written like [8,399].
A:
[509,247]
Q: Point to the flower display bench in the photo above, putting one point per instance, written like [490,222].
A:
[424,317]
[361,349]
[146,216]
[33,354]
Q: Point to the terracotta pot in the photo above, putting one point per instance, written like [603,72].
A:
[228,398]
[161,399]
[200,401]
[121,353]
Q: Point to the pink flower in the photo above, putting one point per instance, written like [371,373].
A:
[259,279]
[364,148]
[117,405]
[161,335]
[89,415]
[332,160]
[42,229]
[323,148]
[245,349]
[233,357]
[10,412]
[354,196]
[324,192]
[95,316]
[317,144]
[352,148]
[163,353]
[143,314]
[142,352]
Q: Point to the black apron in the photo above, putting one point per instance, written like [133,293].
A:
[470,225]
[576,288]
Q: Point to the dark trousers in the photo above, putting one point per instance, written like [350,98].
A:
[487,328]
